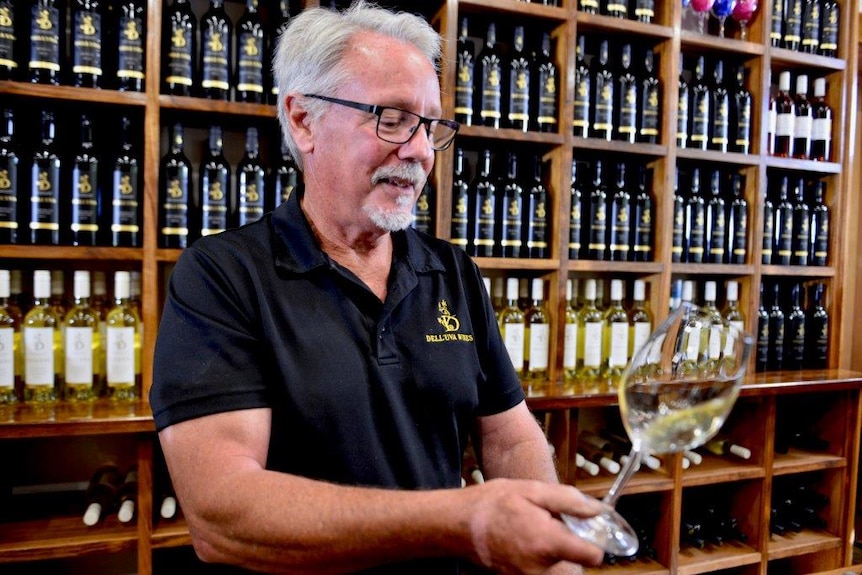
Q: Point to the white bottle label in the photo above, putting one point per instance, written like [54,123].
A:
[513,339]
[784,124]
[802,127]
[593,344]
[641,334]
[7,358]
[570,346]
[619,353]
[79,355]
[732,334]
[120,355]
[539,343]
[39,356]
[821,129]
[715,342]
[692,348]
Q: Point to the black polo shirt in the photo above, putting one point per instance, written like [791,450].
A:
[361,392]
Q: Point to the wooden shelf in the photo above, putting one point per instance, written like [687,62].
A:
[714,558]
[60,537]
[63,419]
[792,544]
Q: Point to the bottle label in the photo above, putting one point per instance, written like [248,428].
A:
[491,89]
[547,108]
[464,85]
[85,202]
[39,356]
[519,91]
[628,110]
[87,43]
[215,63]
[593,344]
[44,212]
[215,203]
[7,37]
[7,358]
[460,221]
[130,55]
[570,345]
[802,127]
[619,342]
[604,111]
[821,129]
[580,121]
[513,339]
[250,197]
[250,60]
[120,355]
[45,39]
[650,113]
[175,205]
[124,205]
[641,333]
[79,355]
[682,119]
[539,343]
[179,65]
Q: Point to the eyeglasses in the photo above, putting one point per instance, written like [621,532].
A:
[397,126]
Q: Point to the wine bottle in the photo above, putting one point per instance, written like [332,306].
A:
[717,330]
[576,212]
[512,326]
[127,495]
[724,446]
[810,42]
[485,192]
[775,359]
[619,233]
[489,78]
[47,37]
[423,210]
[615,333]
[783,243]
[9,27]
[626,94]
[588,6]
[732,313]
[250,181]
[737,221]
[9,191]
[179,48]
[10,342]
[587,466]
[86,195]
[819,226]
[640,318]
[216,33]
[102,493]
[603,94]
[792,25]
[131,53]
[650,99]
[642,218]
[41,335]
[776,30]
[802,122]
[695,221]
[537,337]
[81,335]
[821,124]
[45,187]
[817,329]
[829,22]
[701,105]
[535,227]
[286,177]
[122,343]
[570,338]
[545,81]
[597,216]
[740,120]
[464,75]
[678,237]
[460,221]
[510,207]
[250,63]
[761,362]
[785,111]
[615,8]
[682,110]
[58,301]
[801,241]
[174,197]
[126,191]
[716,222]
[719,120]
[214,196]
[168,507]
[794,331]
[519,88]
[621,444]
[768,228]
[590,325]
[86,43]
[598,456]
[583,92]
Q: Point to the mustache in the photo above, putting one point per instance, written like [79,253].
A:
[412,173]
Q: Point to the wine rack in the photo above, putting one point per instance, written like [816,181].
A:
[823,402]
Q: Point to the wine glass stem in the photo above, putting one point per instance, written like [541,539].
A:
[631,465]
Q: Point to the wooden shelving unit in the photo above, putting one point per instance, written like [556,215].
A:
[827,401]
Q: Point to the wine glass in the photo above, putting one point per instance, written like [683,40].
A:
[674,396]
[701,8]
[721,9]
[742,12]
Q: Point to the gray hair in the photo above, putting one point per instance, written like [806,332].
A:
[309,52]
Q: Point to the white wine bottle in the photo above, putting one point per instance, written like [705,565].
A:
[724,446]
[640,318]
[10,339]
[570,340]
[590,321]
[81,349]
[512,326]
[616,336]
[122,344]
[537,336]
[42,344]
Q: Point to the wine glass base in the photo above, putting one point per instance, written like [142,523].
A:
[607,530]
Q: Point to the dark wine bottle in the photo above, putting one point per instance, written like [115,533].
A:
[829,22]
[485,192]
[695,221]
[85,197]
[9,27]
[286,177]
[47,37]
[423,210]
[101,493]
[619,232]
[819,226]
[464,78]
[678,238]
[615,8]
[519,90]
[179,50]
[250,181]
[775,351]
[86,43]
[597,216]
[626,93]
[761,359]
[801,241]
[701,105]
[45,187]
[782,249]
[250,61]
[216,52]
[603,95]
[588,6]
[576,211]
[215,197]
[9,192]
[489,78]
[536,239]
[776,30]
[127,496]
[740,120]
[583,92]
[650,100]
[459,232]
[716,222]
[645,11]
[174,198]
[682,111]
[280,25]
[719,122]
[792,25]
[510,205]
[768,229]
[545,81]
[811,28]
[817,329]
[794,331]
[642,218]
[737,221]
[131,38]
[126,195]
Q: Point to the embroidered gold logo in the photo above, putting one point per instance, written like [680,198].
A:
[451,327]
[449,322]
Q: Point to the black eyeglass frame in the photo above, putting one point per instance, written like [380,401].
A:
[379,110]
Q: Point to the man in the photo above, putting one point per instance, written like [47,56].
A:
[312,414]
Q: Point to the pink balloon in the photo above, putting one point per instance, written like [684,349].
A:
[702,5]
[743,10]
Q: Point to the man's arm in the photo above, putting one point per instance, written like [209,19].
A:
[240,513]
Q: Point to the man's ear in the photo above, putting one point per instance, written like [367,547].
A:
[299,123]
